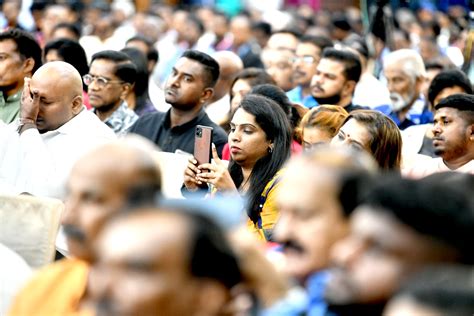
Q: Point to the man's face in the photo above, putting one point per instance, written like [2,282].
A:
[375,258]
[55,104]
[13,68]
[305,62]
[143,268]
[278,65]
[311,218]
[446,92]
[328,82]
[283,41]
[185,86]
[403,89]
[95,192]
[451,134]
[110,95]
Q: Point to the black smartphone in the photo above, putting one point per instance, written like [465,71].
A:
[202,144]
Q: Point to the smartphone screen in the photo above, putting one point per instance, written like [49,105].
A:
[202,144]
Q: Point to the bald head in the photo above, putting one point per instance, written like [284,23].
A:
[59,85]
[118,175]
[230,65]
[67,77]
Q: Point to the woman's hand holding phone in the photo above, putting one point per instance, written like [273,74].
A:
[215,173]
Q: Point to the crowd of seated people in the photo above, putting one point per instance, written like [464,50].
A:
[337,177]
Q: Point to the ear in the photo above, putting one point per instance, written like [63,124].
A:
[470,132]
[419,81]
[126,88]
[348,88]
[28,65]
[206,95]
[211,297]
[77,104]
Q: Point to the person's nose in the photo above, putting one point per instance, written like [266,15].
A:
[282,229]
[347,251]
[436,129]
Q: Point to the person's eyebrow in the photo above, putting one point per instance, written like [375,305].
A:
[244,125]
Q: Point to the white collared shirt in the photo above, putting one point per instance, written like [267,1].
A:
[40,163]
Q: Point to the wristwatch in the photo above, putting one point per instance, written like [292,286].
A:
[25,124]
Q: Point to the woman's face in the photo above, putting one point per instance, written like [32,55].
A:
[313,136]
[353,134]
[247,140]
[239,90]
[52,55]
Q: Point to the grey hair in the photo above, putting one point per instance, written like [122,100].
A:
[408,60]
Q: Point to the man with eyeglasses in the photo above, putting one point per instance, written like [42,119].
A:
[110,79]
[54,130]
[306,59]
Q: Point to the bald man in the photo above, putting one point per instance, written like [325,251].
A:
[116,176]
[53,131]
[230,65]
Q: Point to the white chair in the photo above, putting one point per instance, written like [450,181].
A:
[29,225]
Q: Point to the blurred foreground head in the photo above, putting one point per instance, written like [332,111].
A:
[402,226]
[105,181]
[439,290]
[318,193]
[163,262]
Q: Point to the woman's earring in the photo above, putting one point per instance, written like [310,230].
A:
[270,150]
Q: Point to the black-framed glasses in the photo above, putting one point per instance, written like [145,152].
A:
[101,81]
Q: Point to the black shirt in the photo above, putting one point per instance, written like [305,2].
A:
[351,107]
[157,128]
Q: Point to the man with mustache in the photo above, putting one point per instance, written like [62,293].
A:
[318,193]
[453,137]
[111,77]
[405,74]
[306,59]
[188,89]
[401,227]
[53,132]
[105,181]
[336,76]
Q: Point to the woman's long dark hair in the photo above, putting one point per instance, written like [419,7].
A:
[274,122]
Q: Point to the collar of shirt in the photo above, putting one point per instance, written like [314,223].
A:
[183,127]
[70,126]
[13,98]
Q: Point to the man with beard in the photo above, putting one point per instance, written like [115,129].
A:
[110,178]
[110,79]
[318,193]
[188,89]
[306,59]
[336,76]
[405,73]
[453,137]
[401,227]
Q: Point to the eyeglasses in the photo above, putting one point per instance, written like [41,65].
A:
[101,81]
[305,59]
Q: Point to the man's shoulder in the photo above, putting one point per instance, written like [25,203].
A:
[51,286]
[147,122]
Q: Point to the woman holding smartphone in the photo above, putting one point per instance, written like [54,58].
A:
[259,140]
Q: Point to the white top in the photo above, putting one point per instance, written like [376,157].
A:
[370,92]
[425,167]
[13,276]
[40,163]
[219,110]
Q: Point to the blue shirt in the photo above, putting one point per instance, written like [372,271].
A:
[296,96]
